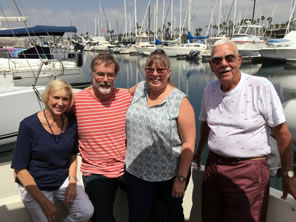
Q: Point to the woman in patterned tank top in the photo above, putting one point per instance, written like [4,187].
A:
[160,142]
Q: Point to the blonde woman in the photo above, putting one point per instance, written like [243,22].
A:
[45,159]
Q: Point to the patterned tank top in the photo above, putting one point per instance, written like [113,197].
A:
[153,141]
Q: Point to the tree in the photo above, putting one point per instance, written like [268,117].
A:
[269,19]
[262,18]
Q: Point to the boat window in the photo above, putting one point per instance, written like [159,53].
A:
[243,30]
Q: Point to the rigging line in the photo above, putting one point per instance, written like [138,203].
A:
[15,36]
[26,26]
[166,16]
[36,76]
[39,10]
[107,23]
[38,95]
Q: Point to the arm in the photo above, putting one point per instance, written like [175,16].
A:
[30,185]
[187,130]
[203,140]
[284,143]
[71,191]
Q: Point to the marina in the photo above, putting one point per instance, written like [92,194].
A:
[63,52]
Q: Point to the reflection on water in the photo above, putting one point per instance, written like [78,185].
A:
[283,79]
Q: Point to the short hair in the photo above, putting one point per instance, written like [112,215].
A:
[158,55]
[106,59]
[222,42]
[56,85]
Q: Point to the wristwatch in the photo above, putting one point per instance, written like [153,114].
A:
[288,174]
[181,179]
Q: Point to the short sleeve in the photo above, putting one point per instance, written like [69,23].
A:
[23,148]
[272,107]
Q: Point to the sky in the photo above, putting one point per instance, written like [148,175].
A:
[83,13]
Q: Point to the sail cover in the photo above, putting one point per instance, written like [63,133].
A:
[38,30]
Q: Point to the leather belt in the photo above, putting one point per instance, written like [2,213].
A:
[234,159]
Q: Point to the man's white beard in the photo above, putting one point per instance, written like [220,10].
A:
[105,91]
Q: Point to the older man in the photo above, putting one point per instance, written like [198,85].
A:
[100,112]
[237,113]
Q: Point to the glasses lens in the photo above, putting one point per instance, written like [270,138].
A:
[230,58]
[149,70]
[218,59]
[101,75]
[158,70]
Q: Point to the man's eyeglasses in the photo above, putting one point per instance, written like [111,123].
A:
[217,60]
[150,70]
[102,75]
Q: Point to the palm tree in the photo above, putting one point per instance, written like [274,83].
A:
[262,18]
[198,31]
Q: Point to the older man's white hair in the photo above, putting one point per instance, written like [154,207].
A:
[222,42]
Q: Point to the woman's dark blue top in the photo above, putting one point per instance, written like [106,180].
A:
[37,151]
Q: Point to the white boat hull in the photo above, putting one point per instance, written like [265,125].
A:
[278,53]
[16,103]
[174,51]
[25,71]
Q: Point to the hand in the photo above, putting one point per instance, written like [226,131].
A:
[178,188]
[50,211]
[70,194]
[289,186]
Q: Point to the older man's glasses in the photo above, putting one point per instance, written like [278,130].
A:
[150,70]
[217,60]
[101,75]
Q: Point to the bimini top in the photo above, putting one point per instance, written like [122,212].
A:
[38,30]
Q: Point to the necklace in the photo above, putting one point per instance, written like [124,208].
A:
[57,137]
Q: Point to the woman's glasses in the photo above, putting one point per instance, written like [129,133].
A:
[150,70]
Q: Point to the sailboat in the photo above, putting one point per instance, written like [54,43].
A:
[24,74]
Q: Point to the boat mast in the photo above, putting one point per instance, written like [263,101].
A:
[156,19]
[291,17]
[234,16]
[219,21]
[99,18]
[136,28]
[95,26]
[189,14]
[180,29]
[125,19]
[172,12]
[253,10]
[162,31]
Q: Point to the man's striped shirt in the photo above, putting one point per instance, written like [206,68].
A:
[101,131]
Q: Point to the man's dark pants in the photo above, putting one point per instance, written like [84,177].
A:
[102,191]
